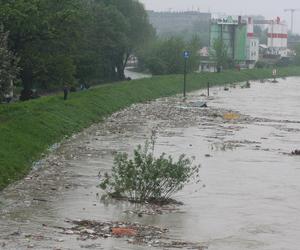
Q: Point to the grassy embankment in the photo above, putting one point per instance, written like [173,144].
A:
[28,129]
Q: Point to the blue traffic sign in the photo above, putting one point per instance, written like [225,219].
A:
[186,54]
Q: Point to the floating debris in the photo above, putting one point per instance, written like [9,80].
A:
[139,234]
[123,231]
[231,116]
[134,233]
[247,85]
[153,209]
[198,104]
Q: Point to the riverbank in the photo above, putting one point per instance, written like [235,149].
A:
[240,156]
[28,129]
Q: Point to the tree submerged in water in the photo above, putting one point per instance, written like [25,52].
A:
[147,178]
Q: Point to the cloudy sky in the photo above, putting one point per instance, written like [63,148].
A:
[267,8]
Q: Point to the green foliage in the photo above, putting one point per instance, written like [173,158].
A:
[165,56]
[284,62]
[260,65]
[220,52]
[28,129]
[104,43]
[146,178]
[8,66]
[194,46]
[44,34]
[297,57]
[116,29]
[69,41]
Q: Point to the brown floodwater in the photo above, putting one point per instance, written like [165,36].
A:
[248,197]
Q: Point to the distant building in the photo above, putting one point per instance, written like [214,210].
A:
[277,41]
[184,24]
[204,52]
[278,38]
[252,45]
[238,37]
[243,48]
[132,61]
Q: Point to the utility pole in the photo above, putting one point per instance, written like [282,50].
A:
[292,17]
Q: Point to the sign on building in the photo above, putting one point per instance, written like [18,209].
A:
[227,20]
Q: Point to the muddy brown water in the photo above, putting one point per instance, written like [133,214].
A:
[248,197]
[129,72]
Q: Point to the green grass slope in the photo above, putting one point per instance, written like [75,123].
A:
[28,129]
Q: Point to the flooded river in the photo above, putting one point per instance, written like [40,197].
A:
[129,72]
[249,193]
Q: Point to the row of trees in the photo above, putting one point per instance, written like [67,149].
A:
[48,43]
[165,55]
[68,41]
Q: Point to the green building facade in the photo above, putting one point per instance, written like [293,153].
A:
[234,36]
[240,48]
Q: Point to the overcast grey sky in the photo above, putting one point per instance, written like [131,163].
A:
[267,8]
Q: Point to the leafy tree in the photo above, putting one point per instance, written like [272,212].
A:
[138,32]
[104,40]
[297,56]
[221,54]
[65,41]
[194,46]
[165,56]
[8,65]
[43,34]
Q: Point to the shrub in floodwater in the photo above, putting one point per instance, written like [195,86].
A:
[147,178]
[296,152]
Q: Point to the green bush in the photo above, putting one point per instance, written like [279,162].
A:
[146,178]
[260,65]
[165,56]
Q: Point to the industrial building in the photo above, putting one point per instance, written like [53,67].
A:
[243,48]
[277,38]
[238,37]
[185,24]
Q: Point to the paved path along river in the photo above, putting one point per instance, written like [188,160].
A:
[248,197]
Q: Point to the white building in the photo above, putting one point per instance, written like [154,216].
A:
[252,50]
[277,38]
[252,45]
